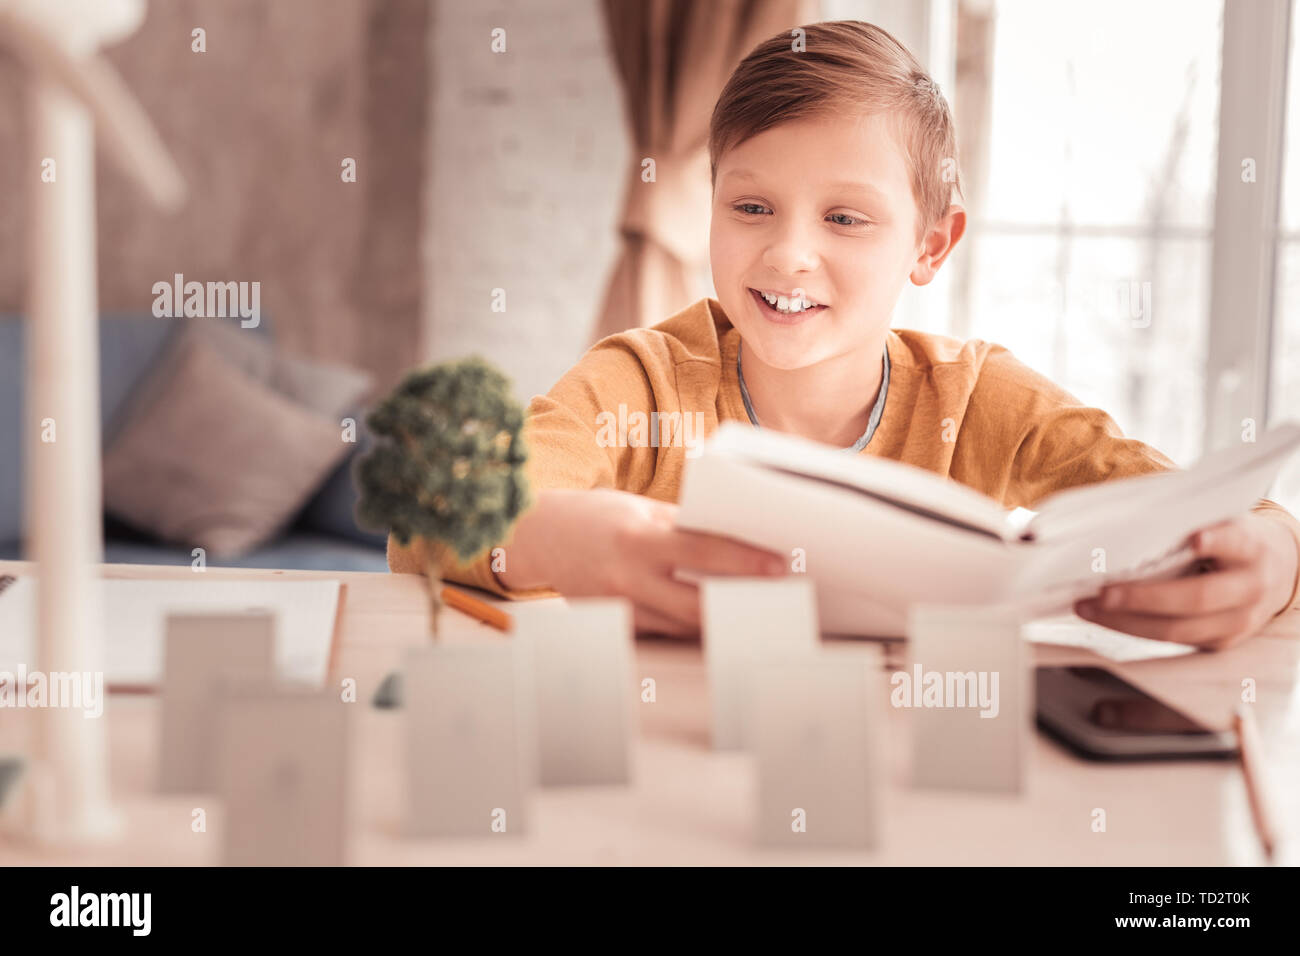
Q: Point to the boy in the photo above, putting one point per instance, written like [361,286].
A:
[833,175]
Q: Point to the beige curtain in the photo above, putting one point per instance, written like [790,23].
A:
[674,57]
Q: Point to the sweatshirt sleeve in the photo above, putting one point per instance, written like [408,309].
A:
[567,435]
[1062,443]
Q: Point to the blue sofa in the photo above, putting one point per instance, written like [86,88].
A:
[324,536]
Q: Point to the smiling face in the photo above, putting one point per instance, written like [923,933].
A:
[822,207]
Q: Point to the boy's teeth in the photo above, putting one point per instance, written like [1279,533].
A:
[787,304]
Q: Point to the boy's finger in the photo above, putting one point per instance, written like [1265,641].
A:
[671,599]
[712,554]
[1228,542]
[1195,595]
[1205,629]
[647,620]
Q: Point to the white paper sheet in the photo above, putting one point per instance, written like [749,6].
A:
[135,612]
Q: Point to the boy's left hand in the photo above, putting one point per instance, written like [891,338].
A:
[1252,570]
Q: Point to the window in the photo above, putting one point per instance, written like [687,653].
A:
[1090,246]
[1116,243]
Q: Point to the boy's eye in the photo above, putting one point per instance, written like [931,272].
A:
[844,219]
[758,209]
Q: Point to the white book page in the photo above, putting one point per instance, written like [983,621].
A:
[1232,478]
[906,486]
[1070,631]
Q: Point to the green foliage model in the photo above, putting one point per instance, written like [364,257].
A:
[447,465]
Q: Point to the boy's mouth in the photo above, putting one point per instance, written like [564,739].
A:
[785,310]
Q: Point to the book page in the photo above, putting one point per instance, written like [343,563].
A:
[1223,483]
[1071,631]
[905,486]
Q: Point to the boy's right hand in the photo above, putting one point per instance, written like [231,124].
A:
[601,542]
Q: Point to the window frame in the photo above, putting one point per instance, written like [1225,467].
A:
[1246,234]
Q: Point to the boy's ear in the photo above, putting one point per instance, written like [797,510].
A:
[937,243]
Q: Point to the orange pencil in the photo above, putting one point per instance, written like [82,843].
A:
[478,609]
[1252,768]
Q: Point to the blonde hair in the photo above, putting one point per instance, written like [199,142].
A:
[846,66]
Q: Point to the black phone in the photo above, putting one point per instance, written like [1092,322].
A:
[1101,716]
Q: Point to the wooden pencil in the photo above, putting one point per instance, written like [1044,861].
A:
[1252,769]
[478,609]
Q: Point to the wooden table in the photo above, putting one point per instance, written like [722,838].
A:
[689,805]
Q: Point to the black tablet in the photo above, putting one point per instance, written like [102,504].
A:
[1103,717]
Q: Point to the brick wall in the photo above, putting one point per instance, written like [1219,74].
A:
[528,157]
[259,124]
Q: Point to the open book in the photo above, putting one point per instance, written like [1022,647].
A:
[878,535]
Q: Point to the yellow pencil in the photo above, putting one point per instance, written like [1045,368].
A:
[478,609]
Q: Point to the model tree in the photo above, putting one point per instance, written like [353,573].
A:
[447,467]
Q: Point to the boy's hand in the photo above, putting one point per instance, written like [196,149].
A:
[1251,572]
[603,542]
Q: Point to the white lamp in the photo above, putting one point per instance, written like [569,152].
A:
[73,94]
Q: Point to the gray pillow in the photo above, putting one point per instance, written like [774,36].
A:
[11,430]
[128,346]
[333,509]
[225,441]
[328,389]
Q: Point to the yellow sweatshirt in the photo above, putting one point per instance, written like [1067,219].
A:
[968,410]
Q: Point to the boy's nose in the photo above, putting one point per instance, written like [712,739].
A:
[792,251]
